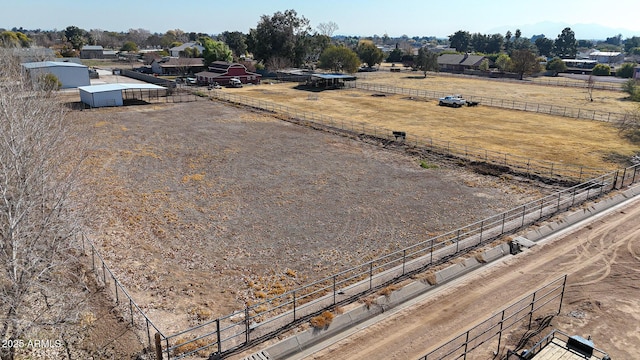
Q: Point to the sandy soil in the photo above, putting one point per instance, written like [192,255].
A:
[602,260]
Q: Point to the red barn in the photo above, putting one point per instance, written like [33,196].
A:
[222,71]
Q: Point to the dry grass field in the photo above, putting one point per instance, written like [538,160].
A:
[531,135]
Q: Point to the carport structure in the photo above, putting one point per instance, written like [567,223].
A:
[117,94]
[329,81]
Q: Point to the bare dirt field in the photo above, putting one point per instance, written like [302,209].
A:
[601,259]
[202,208]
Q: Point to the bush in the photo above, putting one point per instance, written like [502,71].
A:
[601,70]
[322,321]
[625,71]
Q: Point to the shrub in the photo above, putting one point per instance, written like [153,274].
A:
[426,165]
[626,70]
[322,321]
[601,70]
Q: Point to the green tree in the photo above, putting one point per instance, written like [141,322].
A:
[76,36]
[479,42]
[369,53]
[557,66]
[426,61]
[339,58]
[281,36]
[545,46]
[630,43]
[129,46]
[460,41]
[601,70]
[214,51]
[494,44]
[503,62]
[566,46]
[507,41]
[395,55]
[524,62]
[484,65]
[316,44]
[236,41]
[626,70]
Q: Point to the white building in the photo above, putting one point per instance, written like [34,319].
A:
[70,75]
[112,94]
[607,57]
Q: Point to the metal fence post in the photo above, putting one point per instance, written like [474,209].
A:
[246,324]
[218,336]
[370,275]
[404,259]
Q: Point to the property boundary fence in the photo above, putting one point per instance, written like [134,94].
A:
[489,333]
[516,164]
[576,113]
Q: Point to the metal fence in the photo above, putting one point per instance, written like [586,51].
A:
[131,311]
[488,334]
[576,113]
[517,164]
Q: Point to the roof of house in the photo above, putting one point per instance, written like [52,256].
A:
[92,47]
[605,53]
[218,66]
[114,87]
[334,76]
[186,46]
[176,62]
[43,64]
[460,59]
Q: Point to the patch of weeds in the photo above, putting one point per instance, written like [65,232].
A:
[322,321]
[199,93]
[183,346]
[260,294]
[425,165]
[388,290]
[291,273]
[201,313]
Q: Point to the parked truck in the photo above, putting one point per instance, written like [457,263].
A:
[453,101]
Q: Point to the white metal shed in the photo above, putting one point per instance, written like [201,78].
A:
[71,75]
[110,94]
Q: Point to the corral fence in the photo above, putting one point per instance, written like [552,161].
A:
[545,303]
[502,161]
[576,113]
[265,320]
[129,309]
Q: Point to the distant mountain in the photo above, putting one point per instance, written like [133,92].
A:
[551,30]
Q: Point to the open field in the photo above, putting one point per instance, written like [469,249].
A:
[202,208]
[530,135]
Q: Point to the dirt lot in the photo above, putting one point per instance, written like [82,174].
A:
[602,298]
[201,208]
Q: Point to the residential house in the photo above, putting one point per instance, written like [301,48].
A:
[636,72]
[177,51]
[177,66]
[222,71]
[458,63]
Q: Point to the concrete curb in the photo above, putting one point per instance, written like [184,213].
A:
[310,337]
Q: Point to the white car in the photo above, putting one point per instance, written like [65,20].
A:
[452,100]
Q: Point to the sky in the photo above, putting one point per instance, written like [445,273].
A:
[439,18]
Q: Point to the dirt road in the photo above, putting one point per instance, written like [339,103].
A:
[601,258]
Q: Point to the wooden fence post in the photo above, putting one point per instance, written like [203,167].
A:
[158,346]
